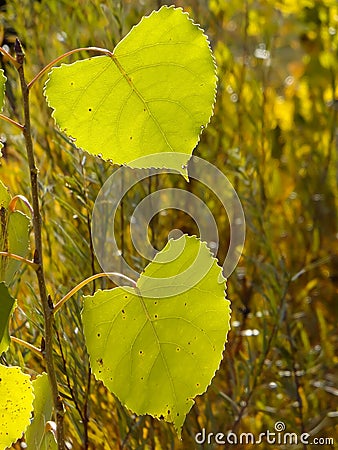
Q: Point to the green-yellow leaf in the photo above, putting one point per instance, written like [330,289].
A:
[16,393]
[7,305]
[14,236]
[37,436]
[155,94]
[156,353]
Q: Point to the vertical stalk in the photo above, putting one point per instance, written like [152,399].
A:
[47,305]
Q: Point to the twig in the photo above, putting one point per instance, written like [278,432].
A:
[85,415]
[47,304]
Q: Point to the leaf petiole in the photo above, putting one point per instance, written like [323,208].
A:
[13,202]
[9,56]
[65,55]
[88,280]
[11,121]
[31,347]
[21,259]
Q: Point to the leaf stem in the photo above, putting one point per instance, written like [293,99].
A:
[30,347]
[21,259]
[9,56]
[46,302]
[11,121]
[88,280]
[65,55]
[13,202]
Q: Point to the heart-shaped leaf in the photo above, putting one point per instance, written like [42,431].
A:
[7,304]
[14,236]
[16,393]
[36,434]
[157,353]
[154,94]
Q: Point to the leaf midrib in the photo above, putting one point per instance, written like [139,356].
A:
[138,93]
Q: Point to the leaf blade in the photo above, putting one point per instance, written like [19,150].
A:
[16,393]
[43,407]
[169,348]
[14,236]
[7,305]
[155,95]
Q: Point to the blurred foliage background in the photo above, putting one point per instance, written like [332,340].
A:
[274,136]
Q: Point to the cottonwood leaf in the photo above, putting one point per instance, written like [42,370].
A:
[14,236]
[16,393]
[37,436]
[3,80]
[154,94]
[156,353]
[7,305]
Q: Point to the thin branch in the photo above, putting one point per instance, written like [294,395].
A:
[21,259]
[65,55]
[11,121]
[311,266]
[88,280]
[30,347]
[46,302]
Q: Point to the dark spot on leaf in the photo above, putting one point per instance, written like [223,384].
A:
[178,349]
[161,417]
[100,361]
[141,378]
[141,352]
[188,343]
[131,137]
[155,303]
[177,414]
[126,296]
[89,109]
[168,411]
[98,335]
[197,385]
[71,83]
[123,311]
[156,316]
[100,371]
[185,304]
